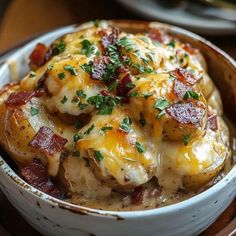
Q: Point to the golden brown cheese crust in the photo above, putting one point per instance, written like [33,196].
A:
[130,108]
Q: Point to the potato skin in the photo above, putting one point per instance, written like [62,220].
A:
[16,131]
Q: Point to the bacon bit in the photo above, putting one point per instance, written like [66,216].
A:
[186,113]
[109,39]
[21,98]
[123,90]
[36,175]
[99,67]
[157,35]
[184,75]
[138,195]
[188,48]
[212,122]
[37,57]
[180,88]
[47,141]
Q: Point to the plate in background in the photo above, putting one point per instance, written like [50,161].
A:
[180,15]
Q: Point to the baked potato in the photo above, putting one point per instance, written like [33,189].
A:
[113,115]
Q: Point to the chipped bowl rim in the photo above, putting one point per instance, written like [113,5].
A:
[118,215]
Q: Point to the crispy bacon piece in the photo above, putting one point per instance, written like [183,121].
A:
[184,75]
[36,175]
[186,113]
[122,88]
[21,98]
[99,67]
[158,35]
[212,122]
[180,88]
[138,195]
[37,57]
[109,39]
[47,141]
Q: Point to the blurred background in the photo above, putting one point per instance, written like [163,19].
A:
[22,20]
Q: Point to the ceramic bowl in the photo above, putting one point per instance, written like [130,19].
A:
[54,217]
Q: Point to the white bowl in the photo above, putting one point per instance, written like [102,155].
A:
[55,217]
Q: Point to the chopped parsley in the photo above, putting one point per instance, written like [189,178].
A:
[98,155]
[61,75]
[113,85]
[171,43]
[87,67]
[88,131]
[80,93]
[34,111]
[105,128]
[88,48]
[71,69]
[139,147]
[133,94]
[64,100]
[104,104]
[126,43]
[161,104]
[77,137]
[125,124]
[82,105]
[186,139]
[60,47]
[130,85]
[142,120]
[191,94]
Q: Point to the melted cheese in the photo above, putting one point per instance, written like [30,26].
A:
[120,164]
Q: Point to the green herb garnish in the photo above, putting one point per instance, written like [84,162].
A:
[82,105]
[61,75]
[60,47]
[139,147]
[105,128]
[130,85]
[98,155]
[64,100]
[125,124]
[77,137]
[34,111]
[71,69]
[87,67]
[161,104]
[88,48]
[88,131]
[186,139]
[80,93]
[191,94]
[113,85]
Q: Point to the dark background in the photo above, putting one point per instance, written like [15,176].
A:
[20,20]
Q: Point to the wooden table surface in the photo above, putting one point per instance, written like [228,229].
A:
[24,19]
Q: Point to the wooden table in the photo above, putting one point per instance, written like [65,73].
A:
[24,19]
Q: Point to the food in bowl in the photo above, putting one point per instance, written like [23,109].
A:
[116,121]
